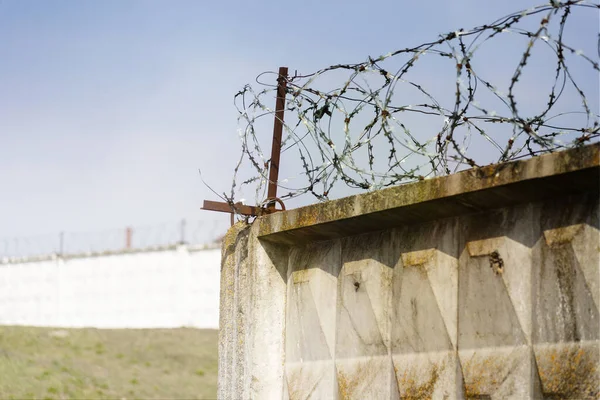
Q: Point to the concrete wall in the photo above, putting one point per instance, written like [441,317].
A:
[480,285]
[154,289]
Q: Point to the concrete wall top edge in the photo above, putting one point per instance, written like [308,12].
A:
[572,171]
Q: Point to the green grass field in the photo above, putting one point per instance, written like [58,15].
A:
[45,363]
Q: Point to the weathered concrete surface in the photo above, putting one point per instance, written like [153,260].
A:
[469,286]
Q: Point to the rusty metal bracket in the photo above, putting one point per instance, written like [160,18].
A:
[238,208]
[267,206]
[272,200]
[242,209]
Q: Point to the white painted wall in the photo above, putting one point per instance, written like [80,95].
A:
[154,289]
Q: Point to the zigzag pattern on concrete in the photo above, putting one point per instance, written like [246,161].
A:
[495,317]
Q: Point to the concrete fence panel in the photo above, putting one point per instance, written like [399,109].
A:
[483,284]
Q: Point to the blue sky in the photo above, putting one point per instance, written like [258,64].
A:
[109,108]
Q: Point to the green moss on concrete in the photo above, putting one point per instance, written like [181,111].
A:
[476,189]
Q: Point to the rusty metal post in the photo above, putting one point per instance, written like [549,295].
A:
[61,244]
[277,133]
[273,165]
[182,232]
[128,235]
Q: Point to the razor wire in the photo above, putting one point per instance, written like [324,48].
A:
[357,131]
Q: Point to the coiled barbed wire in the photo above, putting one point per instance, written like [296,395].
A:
[341,131]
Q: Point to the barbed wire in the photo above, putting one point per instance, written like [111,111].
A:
[344,118]
[113,240]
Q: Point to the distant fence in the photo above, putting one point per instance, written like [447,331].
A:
[114,240]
